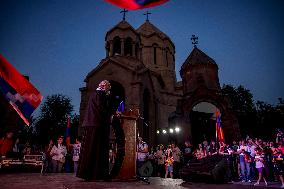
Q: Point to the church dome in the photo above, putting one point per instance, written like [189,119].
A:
[197,57]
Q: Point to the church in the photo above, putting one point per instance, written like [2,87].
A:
[140,65]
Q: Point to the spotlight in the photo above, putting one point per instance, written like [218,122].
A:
[177,129]
[164,131]
[171,131]
[158,132]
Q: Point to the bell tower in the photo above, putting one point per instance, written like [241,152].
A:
[158,53]
[122,40]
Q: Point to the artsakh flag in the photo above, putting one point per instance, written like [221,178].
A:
[67,133]
[219,130]
[19,92]
[136,4]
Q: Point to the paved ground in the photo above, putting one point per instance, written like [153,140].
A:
[69,181]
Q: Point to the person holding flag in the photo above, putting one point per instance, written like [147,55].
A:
[219,130]
[67,133]
[68,157]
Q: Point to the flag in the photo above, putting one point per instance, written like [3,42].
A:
[19,92]
[219,130]
[121,107]
[67,132]
[136,4]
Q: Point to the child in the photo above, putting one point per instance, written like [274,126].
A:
[169,162]
[259,166]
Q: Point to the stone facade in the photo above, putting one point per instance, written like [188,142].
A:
[140,64]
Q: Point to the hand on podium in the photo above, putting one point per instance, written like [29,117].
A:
[117,114]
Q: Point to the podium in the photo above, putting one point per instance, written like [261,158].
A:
[128,123]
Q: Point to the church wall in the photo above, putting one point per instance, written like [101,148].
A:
[212,79]
[110,72]
[169,78]
[164,112]
[167,104]
[209,75]
[148,51]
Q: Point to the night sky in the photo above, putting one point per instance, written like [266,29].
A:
[58,42]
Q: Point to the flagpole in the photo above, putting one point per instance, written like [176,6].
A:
[217,130]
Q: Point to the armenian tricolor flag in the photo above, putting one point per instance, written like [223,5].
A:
[219,130]
[68,132]
[19,92]
[136,4]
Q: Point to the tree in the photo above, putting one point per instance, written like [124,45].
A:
[270,117]
[257,119]
[241,98]
[242,103]
[53,117]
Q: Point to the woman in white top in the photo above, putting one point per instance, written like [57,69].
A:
[58,153]
[259,166]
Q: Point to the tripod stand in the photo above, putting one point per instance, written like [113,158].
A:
[144,179]
[139,167]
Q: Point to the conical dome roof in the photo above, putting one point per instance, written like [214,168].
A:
[197,57]
[123,25]
[147,29]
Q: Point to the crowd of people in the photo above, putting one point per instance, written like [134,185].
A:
[56,156]
[251,159]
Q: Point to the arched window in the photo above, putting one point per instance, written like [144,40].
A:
[107,46]
[137,50]
[128,47]
[155,47]
[116,45]
[167,59]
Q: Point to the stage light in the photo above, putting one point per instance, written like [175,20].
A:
[164,131]
[177,129]
[171,130]
[158,132]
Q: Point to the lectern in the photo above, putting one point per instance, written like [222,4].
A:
[128,124]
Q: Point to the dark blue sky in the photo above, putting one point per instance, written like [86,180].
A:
[57,42]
